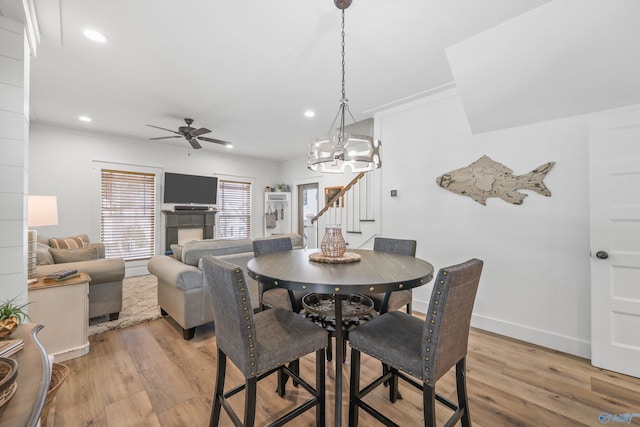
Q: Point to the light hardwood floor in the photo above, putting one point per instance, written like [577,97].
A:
[147,375]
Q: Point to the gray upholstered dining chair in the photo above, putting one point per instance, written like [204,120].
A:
[270,296]
[258,344]
[425,350]
[397,299]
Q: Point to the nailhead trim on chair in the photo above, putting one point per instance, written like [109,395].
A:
[245,307]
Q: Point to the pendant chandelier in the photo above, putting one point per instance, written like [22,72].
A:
[339,150]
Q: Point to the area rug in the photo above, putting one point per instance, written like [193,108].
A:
[139,304]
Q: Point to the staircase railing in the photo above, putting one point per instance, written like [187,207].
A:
[337,197]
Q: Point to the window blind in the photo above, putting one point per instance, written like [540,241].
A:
[127,214]
[234,210]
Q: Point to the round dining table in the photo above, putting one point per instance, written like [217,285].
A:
[374,272]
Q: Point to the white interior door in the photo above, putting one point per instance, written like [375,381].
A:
[615,242]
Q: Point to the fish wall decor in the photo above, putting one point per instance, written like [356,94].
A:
[486,178]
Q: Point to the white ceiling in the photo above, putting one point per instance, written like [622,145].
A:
[562,59]
[248,69]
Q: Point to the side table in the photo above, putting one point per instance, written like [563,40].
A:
[63,308]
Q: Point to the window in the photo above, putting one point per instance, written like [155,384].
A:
[234,210]
[127,214]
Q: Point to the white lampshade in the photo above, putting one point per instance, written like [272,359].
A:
[42,210]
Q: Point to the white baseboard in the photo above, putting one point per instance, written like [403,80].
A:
[71,353]
[563,343]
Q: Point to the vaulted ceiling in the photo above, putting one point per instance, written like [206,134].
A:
[248,70]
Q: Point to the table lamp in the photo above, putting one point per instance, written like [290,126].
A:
[41,211]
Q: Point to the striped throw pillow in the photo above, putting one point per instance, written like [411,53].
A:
[76,242]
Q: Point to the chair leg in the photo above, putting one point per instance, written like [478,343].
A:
[250,402]
[320,388]
[394,393]
[354,387]
[429,405]
[219,390]
[295,367]
[461,386]
[330,348]
[409,308]
[282,382]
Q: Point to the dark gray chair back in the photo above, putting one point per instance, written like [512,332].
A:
[267,246]
[232,311]
[397,299]
[395,246]
[446,330]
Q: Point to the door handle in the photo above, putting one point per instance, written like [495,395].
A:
[602,255]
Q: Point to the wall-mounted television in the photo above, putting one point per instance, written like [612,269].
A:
[190,189]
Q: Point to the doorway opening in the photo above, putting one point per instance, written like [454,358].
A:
[307,209]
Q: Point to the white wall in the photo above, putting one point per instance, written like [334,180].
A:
[535,284]
[61,163]
[14,125]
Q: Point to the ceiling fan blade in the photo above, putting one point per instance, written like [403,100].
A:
[194,143]
[200,131]
[168,130]
[166,137]
[217,141]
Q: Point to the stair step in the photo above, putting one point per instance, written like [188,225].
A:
[354,232]
[367,220]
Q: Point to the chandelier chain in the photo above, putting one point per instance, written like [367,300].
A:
[343,62]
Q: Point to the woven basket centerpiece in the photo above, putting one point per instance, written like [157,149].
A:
[333,248]
[332,244]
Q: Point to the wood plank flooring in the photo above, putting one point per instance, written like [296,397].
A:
[147,375]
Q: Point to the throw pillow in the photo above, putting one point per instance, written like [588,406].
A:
[177,251]
[75,242]
[44,256]
[73,255]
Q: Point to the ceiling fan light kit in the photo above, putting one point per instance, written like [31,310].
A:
[340,151]
[192,135]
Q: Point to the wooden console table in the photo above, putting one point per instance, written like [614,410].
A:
[25,406]
[63,307]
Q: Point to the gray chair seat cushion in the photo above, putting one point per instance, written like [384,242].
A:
[283,336]
[397,300]
[277,298]
[402,335]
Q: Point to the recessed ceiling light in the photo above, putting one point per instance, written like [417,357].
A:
[309,113]
[229,146]
[96,36]
[84,118]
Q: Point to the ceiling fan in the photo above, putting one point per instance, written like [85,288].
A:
[192,135]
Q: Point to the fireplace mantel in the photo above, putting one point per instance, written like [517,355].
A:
[176,220]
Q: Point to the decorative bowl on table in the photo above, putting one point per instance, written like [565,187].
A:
[8,384]
[8,326]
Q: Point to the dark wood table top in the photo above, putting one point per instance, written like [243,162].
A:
[376,272]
